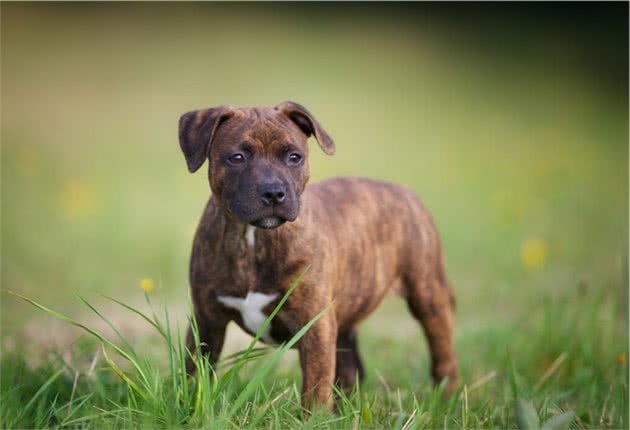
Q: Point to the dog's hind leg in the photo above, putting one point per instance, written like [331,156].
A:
[348,362]
[431,302]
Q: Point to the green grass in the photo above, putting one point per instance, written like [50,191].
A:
[505,151]
[562,365]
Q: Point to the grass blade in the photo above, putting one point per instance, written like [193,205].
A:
[559,422]
[39,392]
[139,313]
[111,325]
[94,333]
[526,415]
[122,374]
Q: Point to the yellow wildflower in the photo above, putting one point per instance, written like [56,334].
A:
[78,198]
[147,285]
[621,359]
[533,253]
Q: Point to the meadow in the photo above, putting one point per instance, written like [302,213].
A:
[515,137]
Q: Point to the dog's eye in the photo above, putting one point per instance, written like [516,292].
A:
[236,159]
[294,158]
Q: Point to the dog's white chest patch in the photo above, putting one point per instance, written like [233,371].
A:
[251,310]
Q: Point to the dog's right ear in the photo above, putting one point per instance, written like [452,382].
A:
[196,131]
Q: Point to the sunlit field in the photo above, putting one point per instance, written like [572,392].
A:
[510,123]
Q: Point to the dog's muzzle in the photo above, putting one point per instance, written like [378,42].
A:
[269,206]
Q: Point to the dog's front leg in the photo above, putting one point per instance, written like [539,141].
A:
[317,358]
[211,333]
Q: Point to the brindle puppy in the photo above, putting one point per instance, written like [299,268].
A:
[262,227]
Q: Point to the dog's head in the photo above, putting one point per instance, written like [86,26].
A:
[258,158]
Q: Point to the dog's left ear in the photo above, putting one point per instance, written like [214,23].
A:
[196,130]
[308,124]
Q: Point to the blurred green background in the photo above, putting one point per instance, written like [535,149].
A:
[510,121]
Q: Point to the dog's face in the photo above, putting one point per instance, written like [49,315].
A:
[258,158]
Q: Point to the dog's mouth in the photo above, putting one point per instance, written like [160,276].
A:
[268,222]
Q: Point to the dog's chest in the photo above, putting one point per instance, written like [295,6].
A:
[251,310]
[252,284]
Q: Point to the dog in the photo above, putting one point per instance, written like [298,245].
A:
[262,227]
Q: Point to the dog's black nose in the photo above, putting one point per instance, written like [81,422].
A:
[274,193]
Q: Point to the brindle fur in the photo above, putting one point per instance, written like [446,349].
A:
[361,239]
